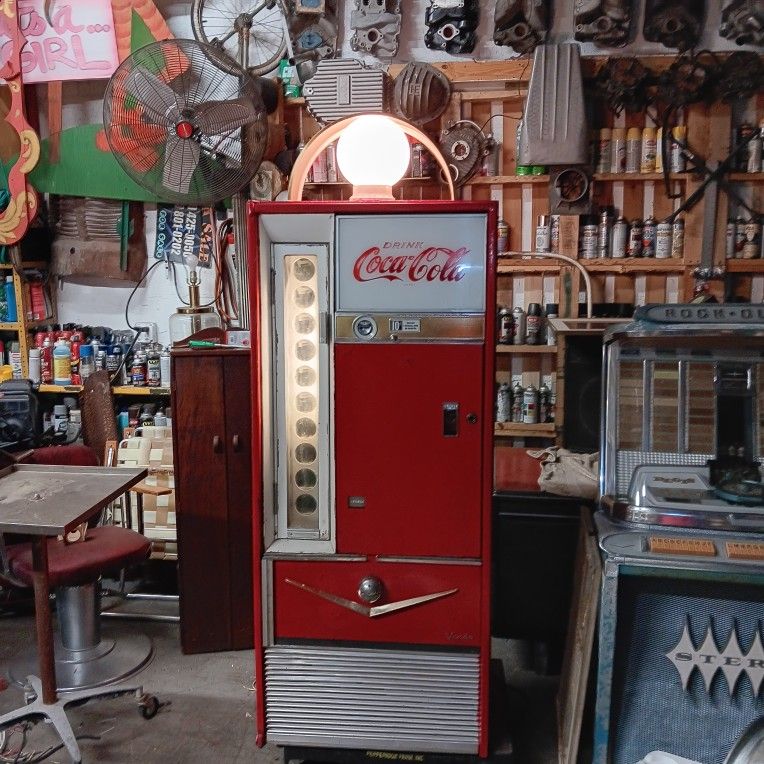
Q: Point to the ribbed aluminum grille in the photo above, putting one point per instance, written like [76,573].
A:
[341,88]
[628,461]
[392,699]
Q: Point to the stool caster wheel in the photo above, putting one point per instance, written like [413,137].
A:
[148,705]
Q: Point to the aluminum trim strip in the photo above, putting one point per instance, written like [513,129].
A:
[465,327]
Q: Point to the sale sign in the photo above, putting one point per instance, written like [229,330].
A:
[74,42]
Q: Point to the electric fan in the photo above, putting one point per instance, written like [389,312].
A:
[185,122]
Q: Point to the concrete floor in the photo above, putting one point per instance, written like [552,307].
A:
[210,713]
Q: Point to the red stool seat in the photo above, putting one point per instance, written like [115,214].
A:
[105,549]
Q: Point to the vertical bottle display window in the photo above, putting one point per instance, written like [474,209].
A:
[301,391]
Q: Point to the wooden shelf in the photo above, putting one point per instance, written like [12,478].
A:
[118,390]
[508,266]
[506,180]
[13,326]
[518,430]
[744,266]
[313,184]
[527,349]
[639,177]
[294,101]
[750,177]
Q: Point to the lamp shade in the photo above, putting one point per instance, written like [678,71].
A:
[373,151]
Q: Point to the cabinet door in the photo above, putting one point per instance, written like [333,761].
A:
[238,434]
[408,439]
[202,488]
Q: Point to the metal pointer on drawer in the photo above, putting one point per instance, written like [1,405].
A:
[377,610]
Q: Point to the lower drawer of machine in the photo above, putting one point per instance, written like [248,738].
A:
[405,602]
[357,697]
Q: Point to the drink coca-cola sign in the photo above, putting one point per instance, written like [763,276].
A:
[432,263]
[416,263]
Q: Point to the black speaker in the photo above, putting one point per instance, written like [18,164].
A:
[582,392]
[688,664]
[18,414]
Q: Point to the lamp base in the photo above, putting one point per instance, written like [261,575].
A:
[372,193]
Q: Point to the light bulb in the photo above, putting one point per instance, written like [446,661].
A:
[373,154]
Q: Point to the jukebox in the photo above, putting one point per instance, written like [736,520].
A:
[373,384]
[681,530]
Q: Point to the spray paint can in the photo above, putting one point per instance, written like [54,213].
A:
[729,241]
[649,147]
[518,321]
[589,240]
[677,238]
[659,150]
[739,236]
[603,234]
[677,156]
[491,159]
[752,243]
[634,247]
[604,150]
[502,236]
[754,153]
[517,402]
[138,370]
[520,169]
[506,327]
[533,323]
[663,241]
[554,234]
[545,396]
[649,235]
[503,404]
[153,369]
[633,149]
[530,405]
[543,234]
[619,238]
[618,150]
[165,367]
[34,366]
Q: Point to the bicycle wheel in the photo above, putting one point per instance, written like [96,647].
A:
[217,23]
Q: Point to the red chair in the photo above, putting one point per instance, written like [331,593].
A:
[84,659]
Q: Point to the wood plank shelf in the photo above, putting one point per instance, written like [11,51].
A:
[519,430]
[750,177]
[509,266]
[526,349]
[506,180]
[118,390]
[744,266]
[639,177]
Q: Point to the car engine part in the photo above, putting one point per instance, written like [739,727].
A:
[315,37]
[741,76]
[743,22]
[520,24]
[421,93]
[554,129]
[463,144]
[376,26]
[674,23]
[267,183]
[690,79]
[451,25]
[603,22]
[342,87]
[623,83]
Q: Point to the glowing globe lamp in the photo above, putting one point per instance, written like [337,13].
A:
[373,154]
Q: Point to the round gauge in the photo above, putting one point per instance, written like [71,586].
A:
[571,185]
[223,23]
[365,328]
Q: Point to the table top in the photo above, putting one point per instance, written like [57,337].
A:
[44,500]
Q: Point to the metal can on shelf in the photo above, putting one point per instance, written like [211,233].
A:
[554,234]
[503,403]
[517,402]
[634,248]
[530,405]
[619,238]
[164,366]
[589,241]
[138,370]
[618,150]
[649,147]
[649,235]
[506,327]
[676,152]
[502,236]
[633,149]
[518,322]
[677,238]
[604,150]
[663,241]
[739,236]
[603,234]
[752,243]
[545,397]
[729,241]
[543,234]
[153,369]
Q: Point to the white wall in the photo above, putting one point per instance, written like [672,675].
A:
[156,299]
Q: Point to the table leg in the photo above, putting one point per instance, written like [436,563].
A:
[43,621]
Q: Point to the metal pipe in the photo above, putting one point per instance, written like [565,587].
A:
[571,261]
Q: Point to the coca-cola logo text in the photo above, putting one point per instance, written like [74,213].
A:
[431,264]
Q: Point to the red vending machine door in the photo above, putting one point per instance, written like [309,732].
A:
[409,449]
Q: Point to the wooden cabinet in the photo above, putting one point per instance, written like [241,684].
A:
[211,436]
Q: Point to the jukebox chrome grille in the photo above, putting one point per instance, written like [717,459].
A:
[394,699]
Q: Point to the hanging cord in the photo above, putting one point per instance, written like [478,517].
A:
[225,290]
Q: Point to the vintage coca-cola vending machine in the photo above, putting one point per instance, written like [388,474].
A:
[373,380]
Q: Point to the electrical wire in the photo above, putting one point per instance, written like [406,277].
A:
[31,757]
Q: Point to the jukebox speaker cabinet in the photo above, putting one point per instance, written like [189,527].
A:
[373,381]
[681,651]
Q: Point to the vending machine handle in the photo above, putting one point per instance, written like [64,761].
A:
[216,444]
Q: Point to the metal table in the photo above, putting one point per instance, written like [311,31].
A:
[43,501]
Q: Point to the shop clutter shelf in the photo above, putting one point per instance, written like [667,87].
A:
[526,349]
[745,266]
[118,390]
[639,177]
[510,266]
[519,430]
[506,180]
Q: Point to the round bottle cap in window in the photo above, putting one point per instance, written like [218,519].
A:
[365,327]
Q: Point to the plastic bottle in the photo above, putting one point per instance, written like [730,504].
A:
[11,312]
[46,362]
[14,359]
[87,362]
[34,366]
[62,363]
